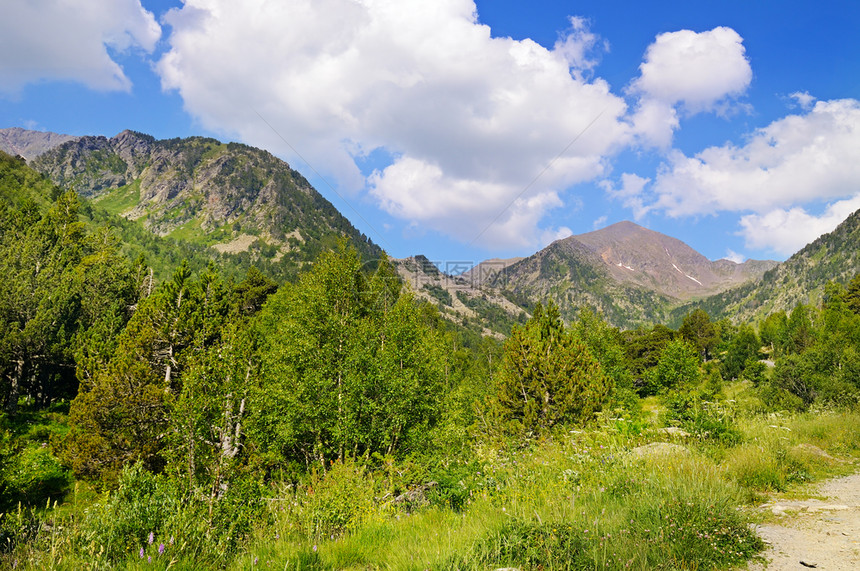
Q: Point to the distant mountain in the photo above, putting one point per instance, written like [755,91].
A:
[232,197]
[800,279]
[459,299]
[30,144]
[666,265]
[630,274]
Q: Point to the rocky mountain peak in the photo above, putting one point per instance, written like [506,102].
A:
[30,144]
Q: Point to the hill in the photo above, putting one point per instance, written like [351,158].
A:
[231,197]
[800,279]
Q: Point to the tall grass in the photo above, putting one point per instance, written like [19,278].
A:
[581,500]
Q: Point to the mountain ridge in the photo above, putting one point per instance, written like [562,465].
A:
[228,196]
[30,144]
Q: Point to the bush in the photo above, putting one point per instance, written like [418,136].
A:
[31,476]
[702,418]
[141,505]
[337,501]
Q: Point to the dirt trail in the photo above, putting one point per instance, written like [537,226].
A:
[819,534]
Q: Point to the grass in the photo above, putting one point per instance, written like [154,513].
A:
[121,199]
[580,500]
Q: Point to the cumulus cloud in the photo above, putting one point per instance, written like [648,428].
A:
[787,231]
[473,123]
[695,72]
[794,160]
[631,193]
[60,40]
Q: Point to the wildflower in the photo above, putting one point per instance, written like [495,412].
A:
[315,547]
[171,540]
[149,559]
[161,549]
[255,560]
[142,553]
[151,537]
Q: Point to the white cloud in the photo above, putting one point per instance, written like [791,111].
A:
[735,257]
[697,70]
[577,44]
[631,193]
[61,40]
[552,234]
[472,121]
[804,99]
[599,222]
[792,161]
[694,71]
[787,231]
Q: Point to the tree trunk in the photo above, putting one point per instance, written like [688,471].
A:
[15,387]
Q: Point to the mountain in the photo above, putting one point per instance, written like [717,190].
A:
[30,144]
[629,273]
[800,279]
[234,198]
[482,309]
[639,256]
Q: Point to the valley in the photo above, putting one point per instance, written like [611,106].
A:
[205,365]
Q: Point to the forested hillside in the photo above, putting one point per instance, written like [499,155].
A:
[799,280]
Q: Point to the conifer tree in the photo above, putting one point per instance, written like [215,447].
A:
[548,377]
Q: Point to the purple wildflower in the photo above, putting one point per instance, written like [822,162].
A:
[141,553]
[161,549]
[151,537]
[149,559]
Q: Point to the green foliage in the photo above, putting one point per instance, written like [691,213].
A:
[700,417]
[121,415]
[336,502]
[698,329]
[547,377]
[518,543]
[142,504]
[742,348]
[678,368]
[643,347]
[349,366]
[606,344]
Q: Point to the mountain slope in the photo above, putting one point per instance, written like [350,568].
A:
[483,309]
[664,264]
[231,197]
[30,144]
[631,274]
[800,279]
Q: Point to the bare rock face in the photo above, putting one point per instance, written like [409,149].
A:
[30,144]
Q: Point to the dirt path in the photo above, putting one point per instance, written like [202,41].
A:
[820,534]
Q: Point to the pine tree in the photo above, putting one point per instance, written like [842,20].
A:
[548,377]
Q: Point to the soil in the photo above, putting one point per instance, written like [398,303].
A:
[815,533]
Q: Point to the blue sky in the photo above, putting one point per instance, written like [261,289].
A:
[467,130]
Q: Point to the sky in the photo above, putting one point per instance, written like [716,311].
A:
[466,130]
